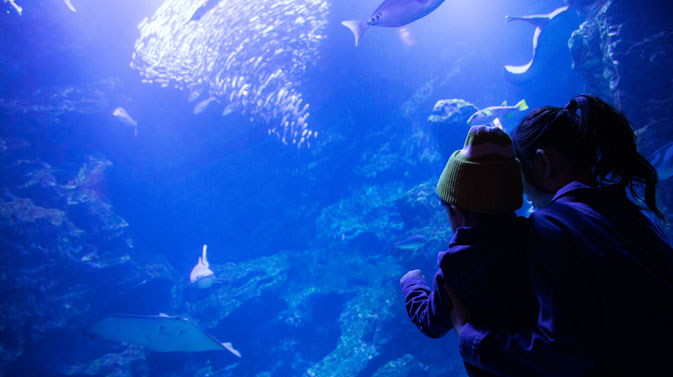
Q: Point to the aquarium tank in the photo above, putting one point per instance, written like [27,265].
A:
[235,188]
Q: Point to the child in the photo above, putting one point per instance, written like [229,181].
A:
[480,189]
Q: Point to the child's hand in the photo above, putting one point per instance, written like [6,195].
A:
[410,274]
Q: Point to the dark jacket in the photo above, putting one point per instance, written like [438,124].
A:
[602,273]
[486,267]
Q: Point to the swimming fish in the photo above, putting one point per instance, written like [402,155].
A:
[550,39]
[488,115]
[201,274]
[662,160]
[203,9]
[160,333]
[201,106]
[393,13]
[68,3]
[538,20]
[410,243]
[126,119]
[16,6]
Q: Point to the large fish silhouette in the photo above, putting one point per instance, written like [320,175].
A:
[550,44]
[393,13]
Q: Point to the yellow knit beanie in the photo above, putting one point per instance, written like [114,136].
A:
[484,176]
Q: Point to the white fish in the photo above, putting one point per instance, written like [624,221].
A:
[126,119]
[160,333]
[68,3]
[393,13]
[201,106]
[662,160]
[16,6]
[488,115]
[201,274]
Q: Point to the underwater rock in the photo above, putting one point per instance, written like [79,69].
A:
[249,55]
[130,362]
[368,209]
[359,342]
[405,366]
[91,98]
[624,51]
[418,205]
[64,252]
[448,123]
[620,48]
[237,283]
[422,213]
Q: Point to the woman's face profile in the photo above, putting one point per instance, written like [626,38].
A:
[536,196]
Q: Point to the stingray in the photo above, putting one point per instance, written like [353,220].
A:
[550,41]
[160,333]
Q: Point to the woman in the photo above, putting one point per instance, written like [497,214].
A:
[601,270]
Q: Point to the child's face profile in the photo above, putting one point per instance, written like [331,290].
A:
[455,217]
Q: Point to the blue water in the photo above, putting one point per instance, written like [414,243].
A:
[299,236]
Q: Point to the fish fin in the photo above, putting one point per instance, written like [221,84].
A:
[504,103]
[68,3]
[231,349]
[205,258]
[522,105]
[488,112]
[497,123]
[357,27]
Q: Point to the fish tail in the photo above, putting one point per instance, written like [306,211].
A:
[357,27]
[231,349]
[522,105]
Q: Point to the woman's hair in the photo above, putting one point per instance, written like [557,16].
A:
[595,138]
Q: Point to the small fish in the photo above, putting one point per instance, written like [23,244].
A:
[488,115]
[201,274]
[126,119]
[538,20]
[203,9]
[68,3]
[201,106]
[662,160]
[16,6]
[410,243]
[393,13]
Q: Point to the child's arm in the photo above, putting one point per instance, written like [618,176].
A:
[428,309]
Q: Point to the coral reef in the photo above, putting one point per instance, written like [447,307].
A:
[62,246]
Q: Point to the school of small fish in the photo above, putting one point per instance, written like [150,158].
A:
[247,55]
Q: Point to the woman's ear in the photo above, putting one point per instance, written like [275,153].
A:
[544,162]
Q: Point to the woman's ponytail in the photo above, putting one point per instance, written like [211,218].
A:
[607,132]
